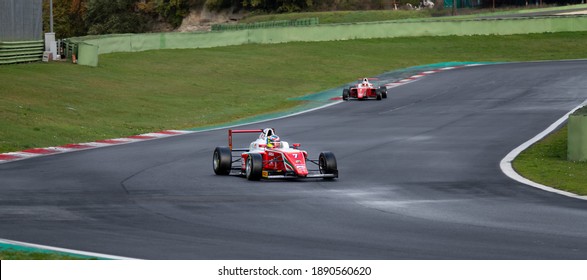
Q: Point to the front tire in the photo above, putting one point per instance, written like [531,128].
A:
[327,164]
[254,167]
[345,94]
[222,161]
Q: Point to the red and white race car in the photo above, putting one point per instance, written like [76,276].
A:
[270,158]
[364,89]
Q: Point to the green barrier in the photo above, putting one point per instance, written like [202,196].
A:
[88,54]
[330,32]
[17,52]
[577,136]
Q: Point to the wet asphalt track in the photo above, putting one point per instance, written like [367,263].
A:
[419,179]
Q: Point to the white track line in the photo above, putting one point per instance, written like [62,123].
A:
[63,250]
[508,169]
[23,154]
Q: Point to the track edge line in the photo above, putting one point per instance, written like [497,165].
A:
[506,163]
[62,250]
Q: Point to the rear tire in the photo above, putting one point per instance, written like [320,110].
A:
[383,90]
[222,161]
[254,167]
[327,164]
[345,94]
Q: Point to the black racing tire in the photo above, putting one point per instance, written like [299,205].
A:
[345,94]
[378,93]
[383,90]
[222,161]
[327,164]
[254,167]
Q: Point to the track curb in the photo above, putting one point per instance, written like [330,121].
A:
[506,163]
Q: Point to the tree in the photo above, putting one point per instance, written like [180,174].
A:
[173,10]
[217,5]
[68,17]
[114,16]
[280,6]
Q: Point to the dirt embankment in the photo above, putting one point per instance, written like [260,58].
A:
[202,20]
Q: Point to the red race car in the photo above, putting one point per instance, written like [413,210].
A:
[364,89]
[270,158]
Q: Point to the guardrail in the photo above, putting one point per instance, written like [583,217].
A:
[23,51]
[96,45]
[577,136]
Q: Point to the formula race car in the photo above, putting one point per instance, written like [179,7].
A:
[268,157]
[364,90]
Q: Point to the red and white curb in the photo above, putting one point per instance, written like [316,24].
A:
[36,152]
[424,74]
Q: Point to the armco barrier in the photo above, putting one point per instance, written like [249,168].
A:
[328,32]
[577,136]
[17,52]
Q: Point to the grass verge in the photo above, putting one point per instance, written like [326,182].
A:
[344,16]
[388,15]
[48,104]
[546,163]
[26,255]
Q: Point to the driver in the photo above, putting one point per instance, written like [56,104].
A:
[273,141]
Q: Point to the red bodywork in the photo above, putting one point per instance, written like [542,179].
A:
[363,92]
[280,161]
[364,89]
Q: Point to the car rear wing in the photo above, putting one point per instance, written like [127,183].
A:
[232,131]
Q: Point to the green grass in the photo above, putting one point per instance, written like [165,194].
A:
[27,255]
[344,16]
[386,15]
[51,104]
[581,111]
[546,162]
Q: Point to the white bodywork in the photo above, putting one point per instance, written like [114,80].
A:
[261,142]
[365,83]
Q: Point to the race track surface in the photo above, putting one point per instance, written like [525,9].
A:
[569,11]
[419,179]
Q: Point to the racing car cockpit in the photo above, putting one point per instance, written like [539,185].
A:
[266,133]
[365,82]
[274,142]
